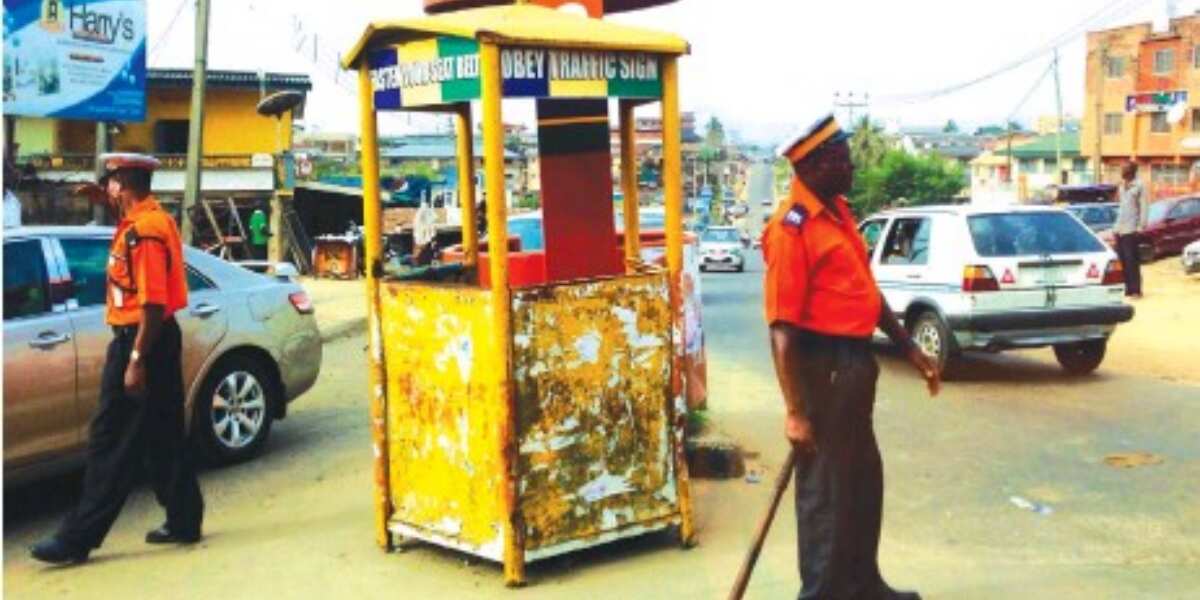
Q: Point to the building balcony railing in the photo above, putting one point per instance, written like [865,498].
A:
[171,162]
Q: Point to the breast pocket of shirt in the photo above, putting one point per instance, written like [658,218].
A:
[841,272]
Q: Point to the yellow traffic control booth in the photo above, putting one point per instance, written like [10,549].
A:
[536,408]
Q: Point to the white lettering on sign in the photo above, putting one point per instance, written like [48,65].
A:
[427,72]
[521,63]
[568,65]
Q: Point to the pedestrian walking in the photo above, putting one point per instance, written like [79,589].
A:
[822,306]
[259,234]
[1131,221]
[140,415]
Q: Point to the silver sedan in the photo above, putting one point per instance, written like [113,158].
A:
[250,346]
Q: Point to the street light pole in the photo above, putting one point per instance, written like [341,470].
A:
[196,123]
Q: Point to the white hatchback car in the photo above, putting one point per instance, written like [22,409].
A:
[1191,257]
[973,278]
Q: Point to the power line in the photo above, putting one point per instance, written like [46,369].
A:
[1115,9]
[167,32]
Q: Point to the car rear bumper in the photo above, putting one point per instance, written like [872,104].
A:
[728,261]
[1051,318]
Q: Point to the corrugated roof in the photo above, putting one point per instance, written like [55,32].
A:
[233,79]
[519,24]
[1043,146]
[421,151]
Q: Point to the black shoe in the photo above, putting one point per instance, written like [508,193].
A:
[162,535]
[55,552]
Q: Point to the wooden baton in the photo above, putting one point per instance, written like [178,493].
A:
[781,483]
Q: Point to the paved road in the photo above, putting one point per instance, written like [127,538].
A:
[296,522]
[1011,427]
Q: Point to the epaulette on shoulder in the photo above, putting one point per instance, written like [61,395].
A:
[795,217]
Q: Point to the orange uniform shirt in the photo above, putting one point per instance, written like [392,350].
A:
[145,265]
[818,274]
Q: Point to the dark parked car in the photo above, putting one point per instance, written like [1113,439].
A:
[1098,217]
[1170,225]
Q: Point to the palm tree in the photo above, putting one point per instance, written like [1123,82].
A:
[868,144]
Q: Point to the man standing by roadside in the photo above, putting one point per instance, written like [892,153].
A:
[140,414]
[259,234]
[822,306]
[1131,220]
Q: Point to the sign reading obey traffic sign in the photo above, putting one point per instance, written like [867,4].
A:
[445,70]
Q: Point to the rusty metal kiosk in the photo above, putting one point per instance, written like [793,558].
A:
[537,410]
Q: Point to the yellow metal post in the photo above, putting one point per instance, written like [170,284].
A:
[629,185]
[673,197]
[466,182]
[372,214]
[493,163]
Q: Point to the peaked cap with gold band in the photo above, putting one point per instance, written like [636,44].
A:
[825,130]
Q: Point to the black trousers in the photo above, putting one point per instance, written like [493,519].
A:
[130,432]
[839,489]
[1131,262]
[258,252]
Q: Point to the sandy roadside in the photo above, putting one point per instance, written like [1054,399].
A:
[1162,338]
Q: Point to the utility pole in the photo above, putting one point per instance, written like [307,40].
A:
[1058,130]
[850,104]
[191,192]
[1101,73]
[99,212]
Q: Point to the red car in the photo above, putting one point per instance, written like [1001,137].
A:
[1170,225]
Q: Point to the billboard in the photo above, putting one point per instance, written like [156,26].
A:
[75,59]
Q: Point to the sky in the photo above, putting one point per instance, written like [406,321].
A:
[764,67]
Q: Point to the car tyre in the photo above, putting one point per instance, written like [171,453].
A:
[1081,358]
[934,338]
[234,409]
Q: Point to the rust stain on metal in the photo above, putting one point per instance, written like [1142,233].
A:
[445,472]
[592,372]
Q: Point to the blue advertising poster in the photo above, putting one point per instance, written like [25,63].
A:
[75,59]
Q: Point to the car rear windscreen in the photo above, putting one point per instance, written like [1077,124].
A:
[1030,234]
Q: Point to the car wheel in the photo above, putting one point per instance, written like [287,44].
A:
[741,268]
[934,338]
[233,410]
[1081,358]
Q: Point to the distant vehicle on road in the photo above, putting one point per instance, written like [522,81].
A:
[967,278]
[1098,217]
[1191,257]
[250,347]
[721,248]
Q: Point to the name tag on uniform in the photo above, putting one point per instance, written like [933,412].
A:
[795,217]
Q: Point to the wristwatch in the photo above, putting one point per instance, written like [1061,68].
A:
[135,356]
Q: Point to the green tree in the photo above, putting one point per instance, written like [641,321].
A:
[902,179]
[868,144]
[951,127]
[714,136]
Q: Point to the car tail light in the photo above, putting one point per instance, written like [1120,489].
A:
[977,278]
[300,300]
[1114,274]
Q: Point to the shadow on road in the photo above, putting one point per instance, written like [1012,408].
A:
[1006,368]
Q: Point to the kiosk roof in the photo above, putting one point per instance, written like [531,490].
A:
[519,24]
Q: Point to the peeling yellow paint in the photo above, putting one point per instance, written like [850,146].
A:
[445,472]
[591,367]
[595,441]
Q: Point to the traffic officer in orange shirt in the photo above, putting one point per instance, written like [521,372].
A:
[822,306]
[140,416]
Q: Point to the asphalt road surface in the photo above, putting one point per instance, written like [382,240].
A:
[996,489]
